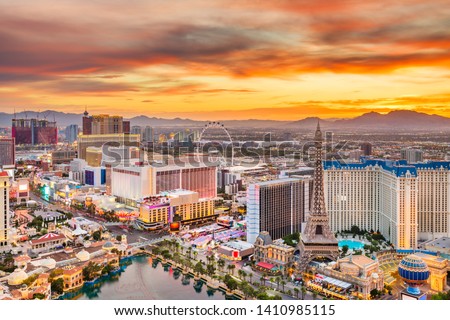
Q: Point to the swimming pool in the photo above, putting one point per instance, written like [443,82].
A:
[352,244]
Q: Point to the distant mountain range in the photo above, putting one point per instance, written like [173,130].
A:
[394,120]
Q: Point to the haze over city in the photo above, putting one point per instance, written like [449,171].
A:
[203,60]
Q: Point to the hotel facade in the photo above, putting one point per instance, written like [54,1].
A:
[159,210]
[277,206]
[4,210]
[405,202]
[130,183]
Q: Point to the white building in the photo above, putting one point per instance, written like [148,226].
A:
[406,203]
[4,210]
[130,183]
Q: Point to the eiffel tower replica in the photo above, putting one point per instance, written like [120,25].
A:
[317,241]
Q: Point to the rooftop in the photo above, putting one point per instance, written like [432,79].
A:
[397,167]
[443,243]
[48,237]
[277,181]
[238,245]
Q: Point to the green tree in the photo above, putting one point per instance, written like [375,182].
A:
[91,271]
[374,293]
[303,290]
[107,269]
[230,282]
[58,286]
[278,280]
[210,269]
[30,280]
[221,264]
[283,283]
[39,296]
[441,296]
[231,267]
[297,291]
[97,235]
[198,268]
[355,230]
[345,249]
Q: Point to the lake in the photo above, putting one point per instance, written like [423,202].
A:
[144,278]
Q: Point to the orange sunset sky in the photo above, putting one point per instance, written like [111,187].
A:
[278,59]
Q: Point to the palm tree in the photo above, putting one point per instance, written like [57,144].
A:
[283,283]
[212,259]
[195,255]
[250,276]
[232,267]
[303,289]
[244,274]
[240,274]
[296,292]
[314,295]
[221,264]
[277,280]
[261,280]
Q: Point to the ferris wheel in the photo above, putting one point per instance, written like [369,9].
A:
[221,126]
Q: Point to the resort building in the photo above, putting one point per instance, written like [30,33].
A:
[438,267]
[105,141]
[272,256]
[405,202]
[363,273]
[130,183]
[4,211]
[159,210]
[47,242]
[277,206]
[39,289]
[73,277]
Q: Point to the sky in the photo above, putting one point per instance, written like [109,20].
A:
[221,60]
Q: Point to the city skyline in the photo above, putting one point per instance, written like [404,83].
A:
[226,60]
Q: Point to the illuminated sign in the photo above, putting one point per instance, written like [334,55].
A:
[174,226]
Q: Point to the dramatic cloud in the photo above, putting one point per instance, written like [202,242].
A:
[222,53]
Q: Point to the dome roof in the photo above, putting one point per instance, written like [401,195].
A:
[48,263]
[413,270]
[108,245]
[17,277]
[83,255]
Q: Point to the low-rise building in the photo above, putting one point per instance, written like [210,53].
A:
[235,250]
[272,256]
[73,277]
[358,270]
[47,242]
